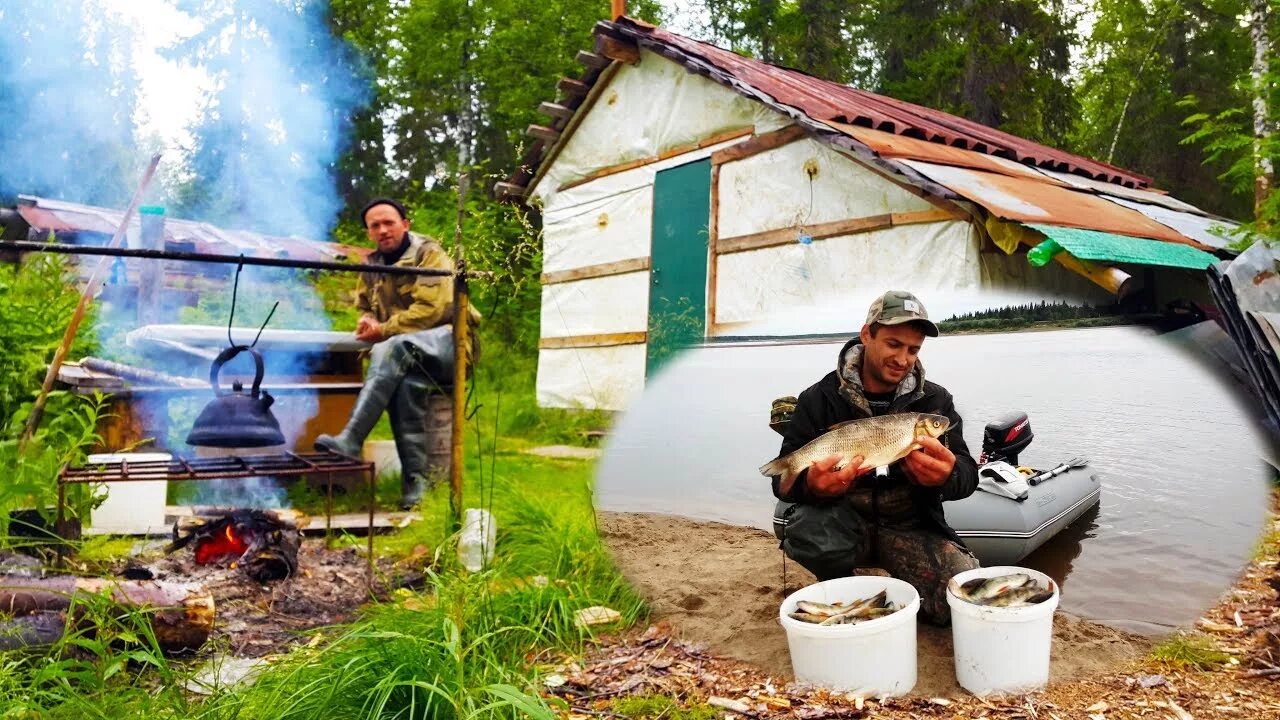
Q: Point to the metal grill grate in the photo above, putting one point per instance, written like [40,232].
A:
[215,468]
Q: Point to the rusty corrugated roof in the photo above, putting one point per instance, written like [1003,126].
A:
[826,100]
[1025,201]
[830,102]
[43,215]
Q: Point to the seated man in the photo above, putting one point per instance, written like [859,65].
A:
[409,319]
[848,518]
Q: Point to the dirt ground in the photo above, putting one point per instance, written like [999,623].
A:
[257,619]
[721,585]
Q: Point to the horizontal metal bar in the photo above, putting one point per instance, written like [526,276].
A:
[214,468]
[68,249]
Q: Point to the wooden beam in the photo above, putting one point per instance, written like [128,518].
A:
[591,59]
[1112,279]
[542,132]
[713,232]
[550,154]
[555,110]
[569,86]
[664,155]
[617,50]
[853,226]
[621,267]
[758,144]
[588,341]
[506,189]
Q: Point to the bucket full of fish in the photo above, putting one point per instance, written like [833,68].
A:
[1002,627]
[855,634]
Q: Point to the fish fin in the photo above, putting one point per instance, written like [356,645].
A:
[777,467]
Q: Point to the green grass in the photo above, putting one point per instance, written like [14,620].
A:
[466,645]
[1189,651]
[661,707]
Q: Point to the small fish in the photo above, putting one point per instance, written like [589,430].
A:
[881,440]
[841,613]
[807,617]
[1016,590]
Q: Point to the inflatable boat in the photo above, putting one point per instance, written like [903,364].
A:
[1015,509]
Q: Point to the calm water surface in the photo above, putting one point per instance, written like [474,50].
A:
[1178,452]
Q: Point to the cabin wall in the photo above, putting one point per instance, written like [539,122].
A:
[597,214]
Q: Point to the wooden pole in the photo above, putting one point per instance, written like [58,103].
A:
[619,8]
[90,289]
[461,342]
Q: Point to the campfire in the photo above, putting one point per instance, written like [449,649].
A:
[263,544]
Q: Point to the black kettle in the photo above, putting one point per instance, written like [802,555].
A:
[236,419]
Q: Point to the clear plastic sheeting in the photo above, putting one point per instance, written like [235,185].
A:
[613,304]
[775,190]
[1247,291]
[605,228]
[601,378]
[1255,277]
[1207,230]
[646,109]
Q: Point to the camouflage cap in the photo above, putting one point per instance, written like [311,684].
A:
[897,307]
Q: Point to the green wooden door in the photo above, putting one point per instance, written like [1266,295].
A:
[678,272]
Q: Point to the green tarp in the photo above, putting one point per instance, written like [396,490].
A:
[1106,247]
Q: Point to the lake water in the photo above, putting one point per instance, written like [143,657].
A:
[1177,447]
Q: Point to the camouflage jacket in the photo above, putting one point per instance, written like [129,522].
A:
[408,303]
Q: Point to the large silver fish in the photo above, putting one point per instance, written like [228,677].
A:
[881,440]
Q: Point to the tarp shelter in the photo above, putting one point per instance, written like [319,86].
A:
[688,193]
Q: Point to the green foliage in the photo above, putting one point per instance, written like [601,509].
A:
[1142,59]
[108,664]
[36,303]
[1229,142]
[463,648]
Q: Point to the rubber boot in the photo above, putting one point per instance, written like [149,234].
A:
[408,413]
[389,360]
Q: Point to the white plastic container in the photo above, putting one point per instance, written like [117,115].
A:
[1002,650]
[876,658]
[130,508]
[475,543]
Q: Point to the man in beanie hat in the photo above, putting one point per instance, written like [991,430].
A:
[841,521]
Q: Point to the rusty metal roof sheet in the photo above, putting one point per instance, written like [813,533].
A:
[1036,202]
[826,100]
[44,215]
[821,101]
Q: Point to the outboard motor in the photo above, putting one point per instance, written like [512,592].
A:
[1005,437]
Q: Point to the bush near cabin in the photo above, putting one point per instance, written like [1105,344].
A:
[37,299]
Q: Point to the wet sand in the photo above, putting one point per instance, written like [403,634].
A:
[721,585]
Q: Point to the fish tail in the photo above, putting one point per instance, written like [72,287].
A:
[777,467]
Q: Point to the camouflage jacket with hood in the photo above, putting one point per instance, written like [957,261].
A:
[408,303]
[838,397]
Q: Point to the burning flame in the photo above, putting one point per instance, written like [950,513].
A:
[228,544]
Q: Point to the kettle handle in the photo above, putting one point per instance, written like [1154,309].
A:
[225,356]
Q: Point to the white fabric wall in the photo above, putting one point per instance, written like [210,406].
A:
[612,304]
[646,109]
[604,378]
[772,190]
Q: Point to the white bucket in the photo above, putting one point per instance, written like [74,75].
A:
[130,507]
[1002,650]
[876,658]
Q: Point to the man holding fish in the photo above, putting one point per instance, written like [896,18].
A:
[876,410]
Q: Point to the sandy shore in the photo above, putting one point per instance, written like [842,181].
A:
[720,585]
